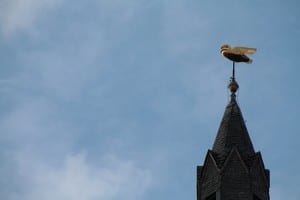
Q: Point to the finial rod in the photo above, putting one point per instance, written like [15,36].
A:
[233,85]
[233,70]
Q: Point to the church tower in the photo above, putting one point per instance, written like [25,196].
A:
[232,170]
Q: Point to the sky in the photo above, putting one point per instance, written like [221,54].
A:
[121,99]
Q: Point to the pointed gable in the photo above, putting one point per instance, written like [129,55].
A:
[208,177]
[260,178]
[235,180]
[235,162]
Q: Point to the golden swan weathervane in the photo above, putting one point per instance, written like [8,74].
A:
[236,54]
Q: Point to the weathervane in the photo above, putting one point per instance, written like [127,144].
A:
[236,54]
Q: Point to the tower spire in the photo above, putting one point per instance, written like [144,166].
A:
[232,169]
[232,133]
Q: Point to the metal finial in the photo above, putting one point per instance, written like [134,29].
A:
[233,86]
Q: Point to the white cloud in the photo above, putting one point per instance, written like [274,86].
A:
[36,123]
[79,179]
[22,15]
[18,15]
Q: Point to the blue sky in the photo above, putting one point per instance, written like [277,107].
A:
[110,99]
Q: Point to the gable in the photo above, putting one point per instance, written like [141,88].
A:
[209,179]
[259,177]
[235,179]
[234,162]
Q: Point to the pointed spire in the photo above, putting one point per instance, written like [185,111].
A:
[232,133]
[232,169]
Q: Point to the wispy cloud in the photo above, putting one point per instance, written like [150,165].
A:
[77,178]
[20,15]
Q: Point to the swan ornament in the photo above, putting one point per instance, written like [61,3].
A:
[237,54]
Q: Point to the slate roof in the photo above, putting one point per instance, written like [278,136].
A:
[233,133]
[232,169]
